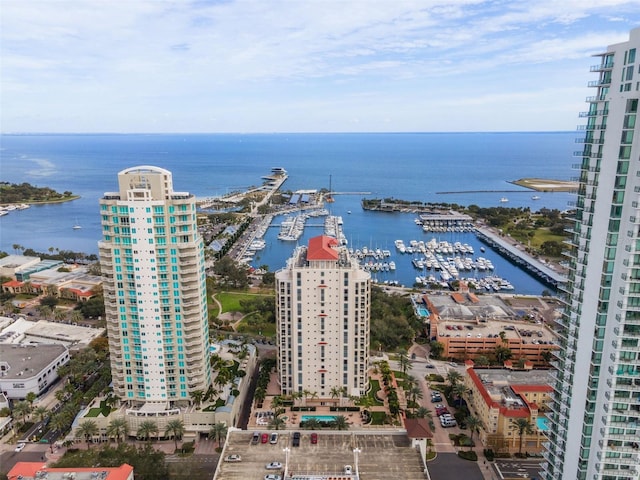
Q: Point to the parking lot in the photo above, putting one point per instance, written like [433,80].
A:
[381,456]
[515,469]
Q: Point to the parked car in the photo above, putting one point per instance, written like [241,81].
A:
[430,365]
[272,476]
[348,469]
[296,439]
[20,447]
[256,438]
[314,438]
[264,438]
[233,458]
[274,438]
[273,466]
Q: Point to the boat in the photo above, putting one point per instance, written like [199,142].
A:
[535,197]
[76,226]
[504,200]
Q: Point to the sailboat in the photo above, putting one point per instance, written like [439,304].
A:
[76,226]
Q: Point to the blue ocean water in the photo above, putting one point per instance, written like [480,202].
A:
[408,166]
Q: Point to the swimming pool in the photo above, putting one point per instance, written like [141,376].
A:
[423,312]
[543,424]
[213,348]
[320,418]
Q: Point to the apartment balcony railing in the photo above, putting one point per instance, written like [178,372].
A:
[601,67]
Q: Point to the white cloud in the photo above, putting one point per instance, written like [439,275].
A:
[114,65]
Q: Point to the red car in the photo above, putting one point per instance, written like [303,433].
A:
[264,438]
[314,438]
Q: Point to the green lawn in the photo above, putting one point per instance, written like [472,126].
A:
[230,301]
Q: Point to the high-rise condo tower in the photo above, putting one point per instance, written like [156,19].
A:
[595,425]
[322,315]
[152,260]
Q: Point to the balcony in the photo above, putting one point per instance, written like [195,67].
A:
[602,67]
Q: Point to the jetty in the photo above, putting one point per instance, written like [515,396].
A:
[450,221]
[506,248]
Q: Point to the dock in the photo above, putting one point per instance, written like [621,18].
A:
[506,248]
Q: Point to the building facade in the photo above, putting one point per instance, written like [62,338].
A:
[153,267]
[506,402]
[322,314]
[595,425]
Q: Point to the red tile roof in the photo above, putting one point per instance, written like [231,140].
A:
[321,248]
[417,428]
[13,283]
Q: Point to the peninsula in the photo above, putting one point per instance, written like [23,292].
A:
[25,193]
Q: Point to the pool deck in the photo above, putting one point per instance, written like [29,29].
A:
[260,417]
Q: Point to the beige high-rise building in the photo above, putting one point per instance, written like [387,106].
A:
[322,313]
[152,260]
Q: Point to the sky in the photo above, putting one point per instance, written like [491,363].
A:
[219,66]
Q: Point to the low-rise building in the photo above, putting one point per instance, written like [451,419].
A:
[472,326]
[23,331]
[39,470]
[12,265]
[506,401]
[27,368]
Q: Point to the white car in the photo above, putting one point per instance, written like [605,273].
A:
[20,447]
[348,469]
[233,458]
[272,476]
[273,466]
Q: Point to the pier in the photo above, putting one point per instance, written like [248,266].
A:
[506,248]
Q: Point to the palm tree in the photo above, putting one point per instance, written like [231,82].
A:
[522,426]
[174,428]
[218,432]
[312,424]
[88,429]
[60,314]
[424,412]
[22,409]
[459,389]
[340,423]
[40,413]
[335,393]
[147,429]
[474,424]
[118,427]
[416,393]
[277,422]
[31,397]
[453,377]
[197,396]
[403,360]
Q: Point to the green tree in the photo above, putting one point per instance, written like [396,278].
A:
[474,424]
[459,390]
[453,377]
[31,397]
[502,354]
[436,349]
[424,412]
[40,413]
[218,432]
[335,393]
[277,422]
[118,427]
[21,410]
[340,423]
[147,430]
[404,360]
[175,429]
[312,424]
[522,426]
[196,397]
[88,429]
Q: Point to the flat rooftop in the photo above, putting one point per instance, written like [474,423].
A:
[382,456]
[54,332]
[499,383]
[25,361]
[513,330]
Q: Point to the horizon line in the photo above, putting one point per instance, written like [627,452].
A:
[294,133]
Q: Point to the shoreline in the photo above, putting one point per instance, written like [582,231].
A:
[43,202]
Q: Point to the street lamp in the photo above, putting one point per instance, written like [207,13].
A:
[286,451]
[356,451]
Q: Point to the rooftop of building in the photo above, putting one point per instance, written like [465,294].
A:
[39,470]
[15,261]
[506,388]
[24,361]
